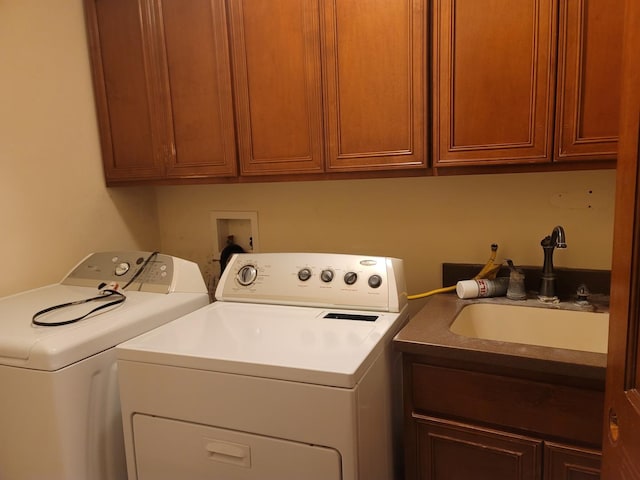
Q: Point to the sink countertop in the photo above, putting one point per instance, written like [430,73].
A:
[427,334]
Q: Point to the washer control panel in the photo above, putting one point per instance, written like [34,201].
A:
[315,279]
[143,271]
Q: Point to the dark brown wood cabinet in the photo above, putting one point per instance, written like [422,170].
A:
[621,443]
[452,450]
[562,462]
[479,423]
[510,87]
[164,107]
[456,451]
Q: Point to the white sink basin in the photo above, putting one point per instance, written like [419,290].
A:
[568,329]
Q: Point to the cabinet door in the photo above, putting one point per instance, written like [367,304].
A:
[196,88]
[562,462]
[589,79]
[163,88]
[454,451]
[126,99]
[621,445]
[494,81]
[278,90]
[375,66]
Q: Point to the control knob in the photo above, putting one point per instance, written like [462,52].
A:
[326,276]
[247,275]
[122,268]
[350,278]
[375,281]
[304,274]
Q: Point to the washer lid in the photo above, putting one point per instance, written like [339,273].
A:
[300,344]
[52,348]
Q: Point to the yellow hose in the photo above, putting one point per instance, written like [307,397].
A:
[431,292]
[489,270]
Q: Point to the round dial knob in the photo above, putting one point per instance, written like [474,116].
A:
[375,281]
[247,275]
[350,278]
[122,268]
[304,274]
[326,276]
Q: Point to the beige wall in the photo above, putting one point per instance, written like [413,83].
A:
[54,208]
[425,221]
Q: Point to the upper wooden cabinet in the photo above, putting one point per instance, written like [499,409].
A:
[493,80]
[124,96]
[197,87]
[375,68]
[318,86]
[500,91]
[278,88]
[365,58]
[589,79]
[234,90]
[163,88]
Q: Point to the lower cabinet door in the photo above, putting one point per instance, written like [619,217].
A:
[454,451]
[171,450]
[562,462]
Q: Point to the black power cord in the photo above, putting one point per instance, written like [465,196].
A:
[105,294]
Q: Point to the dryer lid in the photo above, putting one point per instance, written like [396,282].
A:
[302,344]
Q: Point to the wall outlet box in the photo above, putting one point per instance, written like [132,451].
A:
[241,226]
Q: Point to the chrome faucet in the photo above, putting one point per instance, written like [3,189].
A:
[548,280]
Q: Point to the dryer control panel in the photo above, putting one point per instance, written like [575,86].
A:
[141,271]
[315,279]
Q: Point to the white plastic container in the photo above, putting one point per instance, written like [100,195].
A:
[482,288]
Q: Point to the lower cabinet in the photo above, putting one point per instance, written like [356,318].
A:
[470,423]
[456,451]
[572,463]
[448,450]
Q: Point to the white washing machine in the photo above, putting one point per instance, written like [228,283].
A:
[289,375]
[59,406]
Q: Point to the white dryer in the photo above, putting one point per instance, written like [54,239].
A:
[59,404]
[290,375]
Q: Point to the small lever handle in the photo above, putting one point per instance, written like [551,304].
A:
[228,452]
[583,293]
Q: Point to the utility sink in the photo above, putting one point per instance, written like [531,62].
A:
[547,327]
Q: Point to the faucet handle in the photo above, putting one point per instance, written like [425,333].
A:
[583,293]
